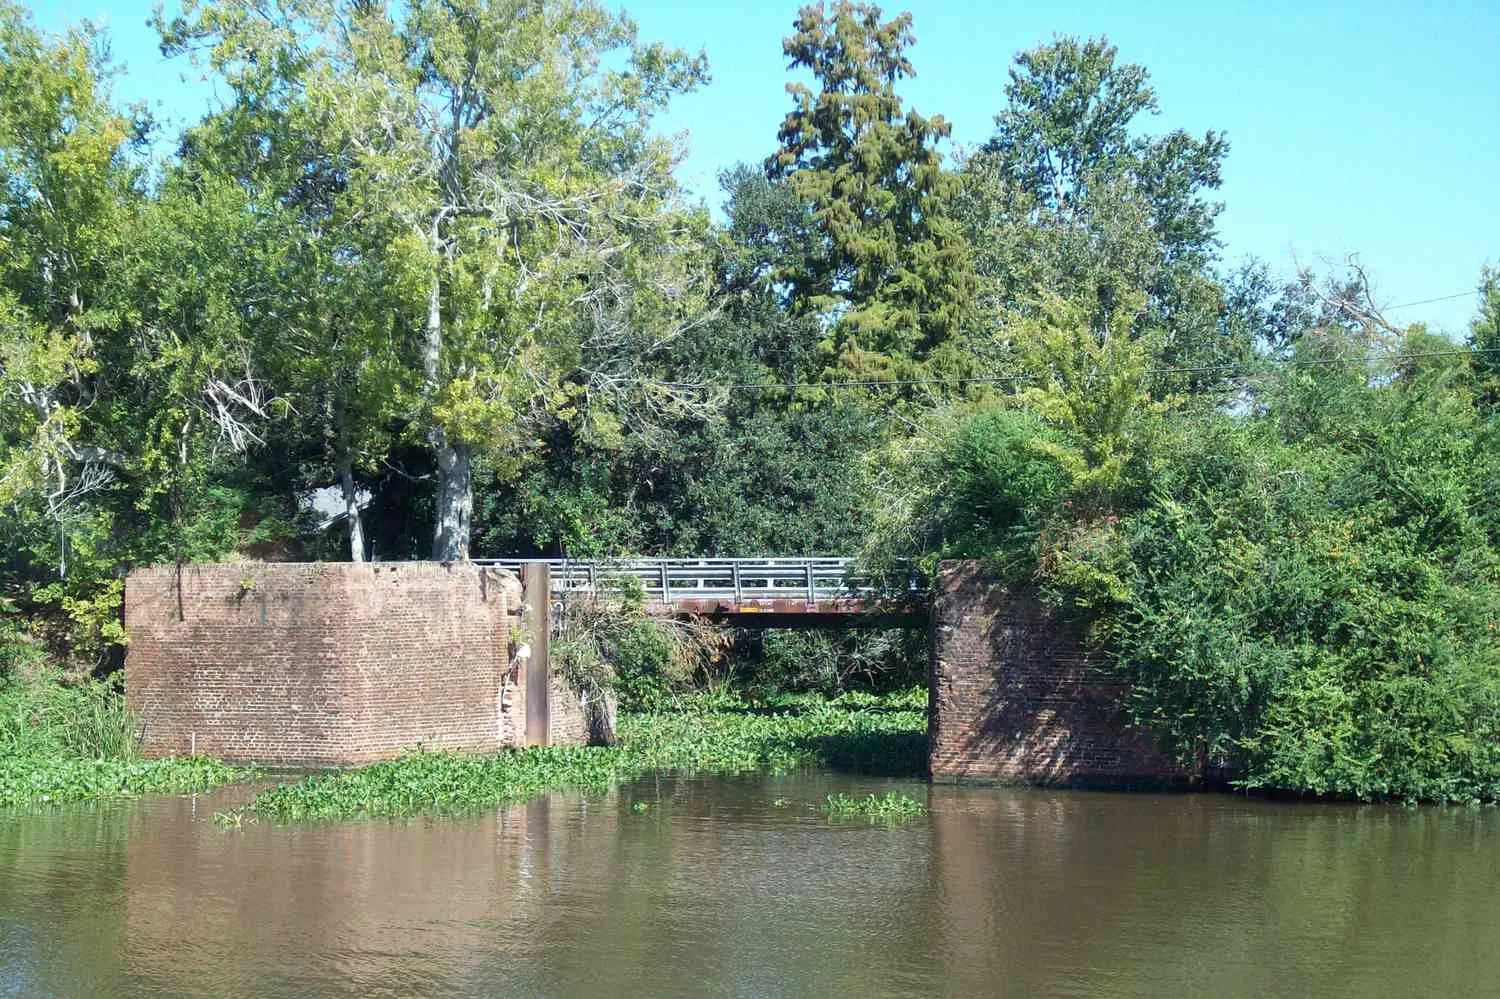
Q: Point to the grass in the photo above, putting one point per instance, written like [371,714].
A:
[890,806]
[40,716]
[77,742]
[880,735]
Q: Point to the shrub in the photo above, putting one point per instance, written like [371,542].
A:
[1324,609]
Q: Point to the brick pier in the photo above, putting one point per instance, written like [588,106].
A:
[1014,698]
[330,664]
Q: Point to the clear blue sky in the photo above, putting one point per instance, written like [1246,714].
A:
[1356,126]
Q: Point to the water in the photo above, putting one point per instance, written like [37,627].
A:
[715,890]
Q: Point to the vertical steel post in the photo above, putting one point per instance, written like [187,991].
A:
[807,568]
[666,594]
[536,593]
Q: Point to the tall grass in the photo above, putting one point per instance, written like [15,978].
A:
[74,742]
[41,716]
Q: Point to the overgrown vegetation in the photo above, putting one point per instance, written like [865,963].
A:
[723,734]
[69,742]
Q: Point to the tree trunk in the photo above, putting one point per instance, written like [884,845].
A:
[455,507]
[351,511]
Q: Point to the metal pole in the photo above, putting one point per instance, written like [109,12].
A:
[807,568]
[536,593]
[666,593]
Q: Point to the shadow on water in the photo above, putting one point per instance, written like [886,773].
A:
[878,754]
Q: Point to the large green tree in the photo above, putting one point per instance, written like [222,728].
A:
[502,149]
[890,276]
[1070,198]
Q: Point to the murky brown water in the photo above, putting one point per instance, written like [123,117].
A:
[716,891]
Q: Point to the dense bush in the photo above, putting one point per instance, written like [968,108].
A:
[828,662]
[1306,582]
[1325,608]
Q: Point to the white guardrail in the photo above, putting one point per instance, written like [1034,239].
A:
[669,579]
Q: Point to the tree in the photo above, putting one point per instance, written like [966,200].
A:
[1066,128]
[524,211]
[68,191]
[890,277]
[339,349]
[1067,198]
[1484,338]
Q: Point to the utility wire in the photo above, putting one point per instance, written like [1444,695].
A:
[1429,301]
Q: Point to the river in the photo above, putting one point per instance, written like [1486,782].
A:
[739,887]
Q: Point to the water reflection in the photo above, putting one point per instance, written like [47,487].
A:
[717,889]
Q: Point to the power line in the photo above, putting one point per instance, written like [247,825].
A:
[1429,301]
[1009,379]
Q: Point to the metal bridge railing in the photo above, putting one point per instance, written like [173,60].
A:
[668,579]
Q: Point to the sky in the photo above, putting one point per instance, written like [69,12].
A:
[1354,127]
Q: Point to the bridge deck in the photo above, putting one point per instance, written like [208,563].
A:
[741,588]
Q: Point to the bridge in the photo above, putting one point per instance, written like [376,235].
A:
[764,592]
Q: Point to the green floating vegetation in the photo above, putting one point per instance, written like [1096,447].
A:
[26,780]
[892,805]
[867,734]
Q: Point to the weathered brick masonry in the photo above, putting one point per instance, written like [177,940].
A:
[1013,696]
[327,664]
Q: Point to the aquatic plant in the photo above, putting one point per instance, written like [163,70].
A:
[890,806]
[53,779]
[871,735]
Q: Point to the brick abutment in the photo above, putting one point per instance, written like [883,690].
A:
[1014,696]
[331,664]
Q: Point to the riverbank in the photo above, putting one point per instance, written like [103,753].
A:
[881,735]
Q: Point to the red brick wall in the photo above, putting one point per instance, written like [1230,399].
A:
[1013,696]
[322,664]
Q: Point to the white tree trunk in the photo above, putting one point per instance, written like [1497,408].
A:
[351,511]
[455,502]
[455,506]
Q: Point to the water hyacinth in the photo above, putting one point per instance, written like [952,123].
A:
[878,735]
[26,780]
[889,806]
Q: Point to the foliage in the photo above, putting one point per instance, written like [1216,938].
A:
[1484,339]
[27,780]
[607,645]
[890,269]
[889,807]
[1308,589]
[1323,608]
[532,228]
[40,716]
[771,660]
[1070,200]
[707,737]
